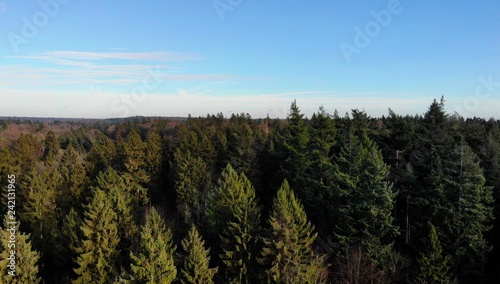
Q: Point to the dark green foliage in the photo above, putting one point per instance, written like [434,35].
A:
[192,181]
[434,265]
[154,261]
[51,147]
[26,259]
[359,178]
[363,199]
[288,246]
[234,214]
[97,251]
[195,260]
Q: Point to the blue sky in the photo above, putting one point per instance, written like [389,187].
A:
[70,58]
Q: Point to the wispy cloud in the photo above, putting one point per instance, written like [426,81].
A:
[84,55]
[60,68]
[3,7]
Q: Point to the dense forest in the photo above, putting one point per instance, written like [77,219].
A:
[320,199]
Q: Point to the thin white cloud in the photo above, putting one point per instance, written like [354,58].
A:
[3,7]
[57,68]
[84,55]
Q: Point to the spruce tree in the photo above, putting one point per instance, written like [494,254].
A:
[102,154]
[363,199]
[97,250]
[434,265]
[51,147]
[295,140]
[73,180]
[474,216]
[192,181]
[319,178]
[195,260]
[26,258]
[234,214]
[134,150]
[154,261]
[288,247]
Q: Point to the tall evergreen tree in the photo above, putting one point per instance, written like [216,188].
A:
[364,199]
[295,140]
[134,150]
[234,212]
[288,248]
[73,180]
[154,261]
[192,181]
[102,154]
[51,147]
[319,178]
[474,216]
[434,265]
[97,251]
[195,260]
[26,258]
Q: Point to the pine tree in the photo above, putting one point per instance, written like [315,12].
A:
[26,259]
[134,150]
[319,178]
[195,260]
[288,247]
[363,199]
[73,181]
[102,154]
[51,147]
[434,265]
[154,262]
[295,140]
[97,251]
[41,215]
[474,216]
[154,162]
[192,181]
[234,212]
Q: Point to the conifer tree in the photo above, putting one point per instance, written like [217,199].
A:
[234,212]
[26,259]
[102,154]
[192,181]
[363,199]
[40,215]
[434,265]
[474,216]
[97,250]
[318,191]
[195,260]
[51,147]
[288,248]
[154,162]
[134,158]
[154,261]
[73,180]
[295,140]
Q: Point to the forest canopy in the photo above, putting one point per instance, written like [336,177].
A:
[320,199]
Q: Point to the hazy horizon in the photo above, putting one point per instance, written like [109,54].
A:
[107,59]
